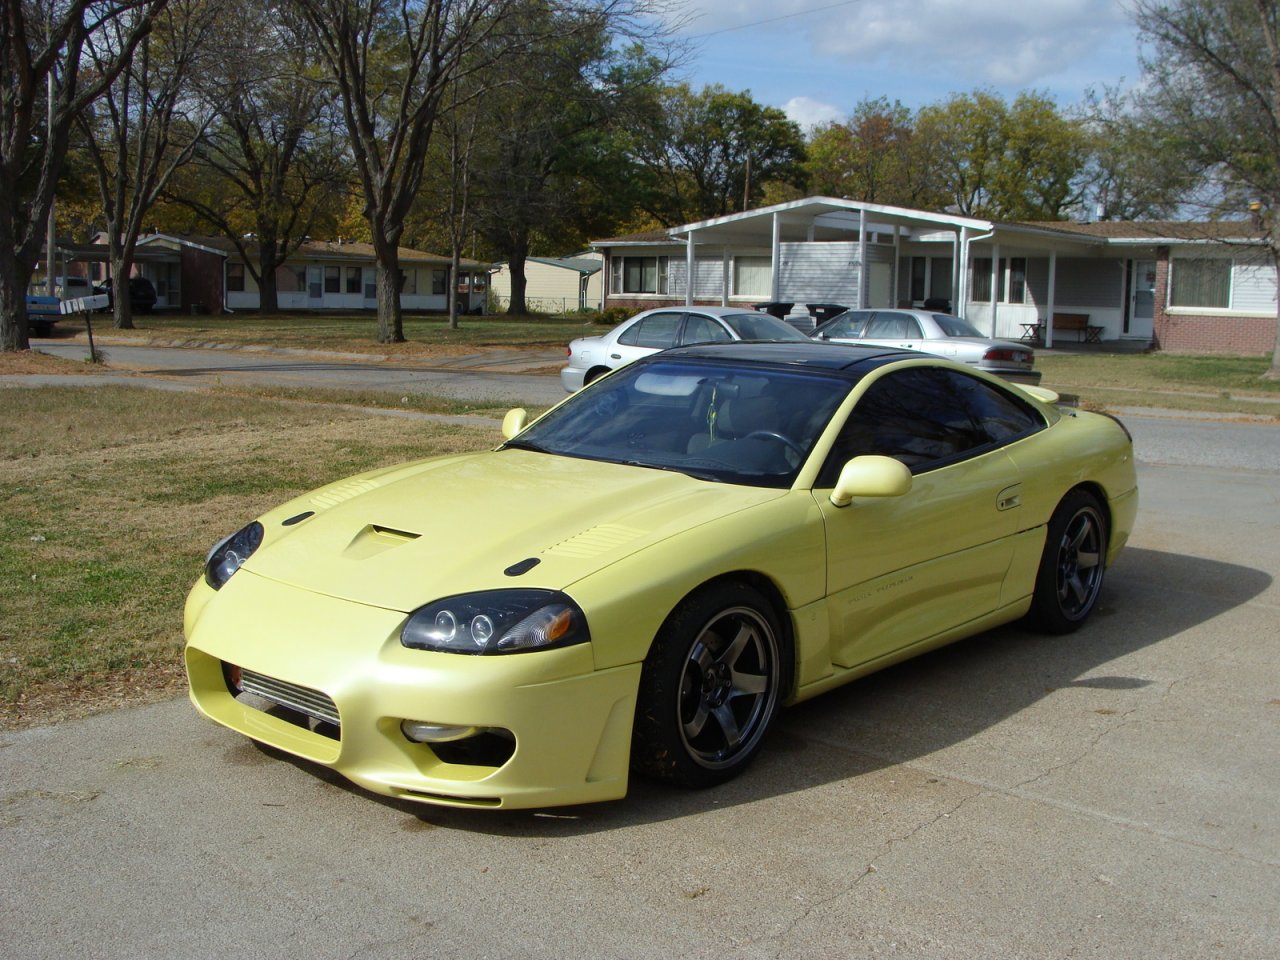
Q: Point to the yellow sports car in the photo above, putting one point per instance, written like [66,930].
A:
[640,579]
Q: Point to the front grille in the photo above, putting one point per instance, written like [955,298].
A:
[304,700]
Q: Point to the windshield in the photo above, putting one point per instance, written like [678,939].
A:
[762,326]
[955,327]
[728,423]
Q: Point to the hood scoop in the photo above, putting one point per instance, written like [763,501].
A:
[373,540]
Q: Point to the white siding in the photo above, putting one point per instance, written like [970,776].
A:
[1253,286]
[708,277]
[821,272]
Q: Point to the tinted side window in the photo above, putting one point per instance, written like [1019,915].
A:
[699,329]
[927,417]
[657,331]
[892,326]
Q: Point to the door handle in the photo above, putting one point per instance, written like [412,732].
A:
[1009,497]
[615,356]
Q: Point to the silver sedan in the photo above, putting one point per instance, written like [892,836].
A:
[938,333]
[663,327]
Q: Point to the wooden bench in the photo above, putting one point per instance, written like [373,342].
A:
[1079,322]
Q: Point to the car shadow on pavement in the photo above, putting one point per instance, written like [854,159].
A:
[918,708]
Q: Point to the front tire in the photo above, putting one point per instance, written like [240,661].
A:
[1071,568]
[710,687]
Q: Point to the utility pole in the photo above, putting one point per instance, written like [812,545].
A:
[48,132]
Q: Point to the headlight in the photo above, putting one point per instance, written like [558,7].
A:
[226,557]
[497,621]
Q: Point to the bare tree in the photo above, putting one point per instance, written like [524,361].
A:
[145,125]
[42,45]
[392,62]
[269,165]
[1213,96]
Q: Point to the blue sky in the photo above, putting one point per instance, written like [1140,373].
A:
[817,65]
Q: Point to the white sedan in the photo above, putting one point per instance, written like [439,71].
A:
[664,327]
[938,333]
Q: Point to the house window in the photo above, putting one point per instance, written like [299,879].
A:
[931,278]
[235,277]
[332,279]
[1011,280]
[981,280]
[1016,291]
[353,279]
[639,275]
[1200,283]
[753,277]
[439,282]
[919,266]
[300,278]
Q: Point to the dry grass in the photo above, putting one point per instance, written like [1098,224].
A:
[112,497]
[32,361]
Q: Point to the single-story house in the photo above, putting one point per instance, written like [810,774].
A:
[208,274]
[1182,286]
[554,284]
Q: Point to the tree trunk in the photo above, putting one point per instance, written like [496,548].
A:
[519,254]
[390,321]
[13,302]
[455,267]
[121,304]
[1274,372]
[268,298]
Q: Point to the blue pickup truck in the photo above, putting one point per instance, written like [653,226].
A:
[41,313]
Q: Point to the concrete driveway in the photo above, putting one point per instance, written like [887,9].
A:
[1113,794]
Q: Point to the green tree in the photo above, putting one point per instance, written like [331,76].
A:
[710,153]
[1040,172]
[964,139]
[874,156]
[1212,70]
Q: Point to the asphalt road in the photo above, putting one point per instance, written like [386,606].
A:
[494,376]
[1114,794]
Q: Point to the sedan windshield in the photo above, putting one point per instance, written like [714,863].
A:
[955,327]
[761,326]
[727,423]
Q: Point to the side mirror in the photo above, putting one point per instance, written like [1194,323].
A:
[871,476]
[514,422]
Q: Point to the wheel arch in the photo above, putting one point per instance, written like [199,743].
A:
[767,588]
[1096,491]
[595,373]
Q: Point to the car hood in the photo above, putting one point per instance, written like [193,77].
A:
[403,538]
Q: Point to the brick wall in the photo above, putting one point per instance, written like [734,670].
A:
[1241,336]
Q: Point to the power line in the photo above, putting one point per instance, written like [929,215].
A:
[787,16]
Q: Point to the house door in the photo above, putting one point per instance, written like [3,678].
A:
[1140,310]
[315,285]
[879,284]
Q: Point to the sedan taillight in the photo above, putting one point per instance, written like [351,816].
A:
[1008,356]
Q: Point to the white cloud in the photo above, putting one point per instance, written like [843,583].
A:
[810,113]
[965,43]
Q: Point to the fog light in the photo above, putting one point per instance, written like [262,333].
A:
[421,731]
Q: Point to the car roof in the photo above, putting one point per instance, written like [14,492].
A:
[709,311]
[835,357]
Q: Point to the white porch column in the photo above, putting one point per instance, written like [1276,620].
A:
[960,287]
[688,273]
[724,278]
[774,250]
[1053,281]
[897,260]
[862,260]
[995,285]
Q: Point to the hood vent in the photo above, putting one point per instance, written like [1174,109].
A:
[596,541]
[373,540]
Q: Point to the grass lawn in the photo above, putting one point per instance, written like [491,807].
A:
[113,495]
[427,335]
[1220,384]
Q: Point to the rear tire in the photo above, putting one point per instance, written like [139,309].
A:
[1072,565]
[710,687]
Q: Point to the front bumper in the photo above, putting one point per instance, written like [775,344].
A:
[571,378]
[571,723]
